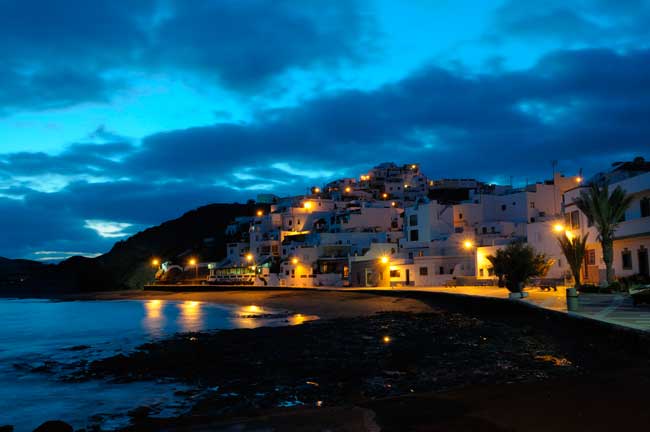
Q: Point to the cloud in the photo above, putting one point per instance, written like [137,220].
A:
[62,53]
[108,229]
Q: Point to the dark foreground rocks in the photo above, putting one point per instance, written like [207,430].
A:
[354,361]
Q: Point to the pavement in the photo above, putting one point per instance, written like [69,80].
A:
[611,308]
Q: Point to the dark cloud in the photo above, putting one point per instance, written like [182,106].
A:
[595,23]
[59,53]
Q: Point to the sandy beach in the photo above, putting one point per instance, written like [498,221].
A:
[394,363]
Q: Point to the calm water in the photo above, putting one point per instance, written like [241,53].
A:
[34,332]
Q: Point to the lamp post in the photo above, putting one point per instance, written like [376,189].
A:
[195,263]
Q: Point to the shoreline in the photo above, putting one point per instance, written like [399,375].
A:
[436,372]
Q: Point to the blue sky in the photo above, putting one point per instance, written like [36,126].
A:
[118,115]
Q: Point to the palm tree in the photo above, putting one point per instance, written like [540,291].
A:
[573,249]
[605,211]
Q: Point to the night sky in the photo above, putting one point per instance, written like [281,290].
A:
[117,115]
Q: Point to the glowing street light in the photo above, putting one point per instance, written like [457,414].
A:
[348,189]
[467,244]
[578,179]
[155,262]
[249,257]
[393,204]
[294,261]
[384,195]
[307,205]
[194,262]
[260,213]
[316,190]
[558,228]
[384,259]
[386,339]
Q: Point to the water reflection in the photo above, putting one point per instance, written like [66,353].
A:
[191,317]
[154,318]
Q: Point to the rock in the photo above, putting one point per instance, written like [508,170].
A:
[7,428]
[140,412]
[54,426]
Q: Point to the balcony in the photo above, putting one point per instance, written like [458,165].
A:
[633,228]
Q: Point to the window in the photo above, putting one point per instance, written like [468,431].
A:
[394,273]
[414,235]
[424,271]
[420,253]
[484,230]
[460,215]
[590,257]
[290,222]
[441,270]
[503,207]
[413,220]
[575,219]
[626,256]
[480,272]
[645,207]
[532,204]
[410,255]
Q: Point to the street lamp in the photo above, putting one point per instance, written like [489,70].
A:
[558,228]
[294,261]
[260,213]
[155,262]
[468,244]
[195,263]
[384,259]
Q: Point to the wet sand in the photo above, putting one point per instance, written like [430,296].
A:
[324,304]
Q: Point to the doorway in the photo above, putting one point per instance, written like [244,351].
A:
[643,261]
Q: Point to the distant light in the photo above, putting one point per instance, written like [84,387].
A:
[568,234]
[413,166]
[249,257]
[316,190]
[578,179]
[384,195]
[467,244]
[155,262]
[558,228]
[348,189]
[393,204]
[386,339]
[307,205]
[260,213]
[406,186]
[384,259]
[294,261]
[192,262]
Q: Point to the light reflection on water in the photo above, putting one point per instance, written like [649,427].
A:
[36,331]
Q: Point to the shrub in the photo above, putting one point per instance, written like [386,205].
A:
[517,263]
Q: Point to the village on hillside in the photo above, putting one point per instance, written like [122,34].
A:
[395,227]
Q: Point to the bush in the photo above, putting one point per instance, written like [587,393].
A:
[517,263]
[615,287]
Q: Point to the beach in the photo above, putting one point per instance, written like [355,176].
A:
[393,362]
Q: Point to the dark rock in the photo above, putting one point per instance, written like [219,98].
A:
[140,412]
[77,348]
[54,426]
[7,428]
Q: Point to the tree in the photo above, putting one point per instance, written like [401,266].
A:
[605,211]
[573,249]
[517,263]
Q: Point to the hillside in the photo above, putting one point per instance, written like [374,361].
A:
[199,232]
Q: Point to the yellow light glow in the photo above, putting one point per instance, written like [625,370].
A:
[393,204]
[384,260]
[558,228]
[192,262]
[348,189]
[316,190]
[413,166]
[568,234]
[294,261]
[578,179]
[260,213]
[384,195]
[155,262]
[406,186]
[307,205]
[467,244]
[386,339]
[253,308]
[249,257]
